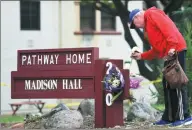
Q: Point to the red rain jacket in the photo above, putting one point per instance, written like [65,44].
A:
[162,34]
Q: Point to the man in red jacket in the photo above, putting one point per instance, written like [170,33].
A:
[165,39]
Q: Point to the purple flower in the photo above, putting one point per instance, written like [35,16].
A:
[114,81]
[134,82]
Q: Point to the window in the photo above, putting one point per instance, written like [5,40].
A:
[87,17]
[94,22]
[30,14]
[107,22]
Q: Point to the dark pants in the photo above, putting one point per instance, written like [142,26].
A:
[176,100]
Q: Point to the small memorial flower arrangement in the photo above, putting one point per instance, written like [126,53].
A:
[113,80]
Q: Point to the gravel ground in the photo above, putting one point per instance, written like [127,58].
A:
[89,124]
[148,125]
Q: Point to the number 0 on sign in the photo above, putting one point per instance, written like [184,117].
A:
[108,99]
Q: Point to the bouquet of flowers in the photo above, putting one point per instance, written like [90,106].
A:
[113,80]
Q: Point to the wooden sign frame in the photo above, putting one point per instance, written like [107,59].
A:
[58,79]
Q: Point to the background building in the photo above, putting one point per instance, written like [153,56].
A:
[57,24]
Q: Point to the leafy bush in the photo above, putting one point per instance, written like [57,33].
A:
[183,20]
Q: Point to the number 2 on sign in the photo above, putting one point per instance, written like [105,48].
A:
[109,64]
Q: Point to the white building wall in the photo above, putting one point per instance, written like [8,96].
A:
[69,24]
[13,39]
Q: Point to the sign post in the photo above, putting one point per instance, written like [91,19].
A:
[68,73]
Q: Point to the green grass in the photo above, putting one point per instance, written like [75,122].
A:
[11,119]
[159,107]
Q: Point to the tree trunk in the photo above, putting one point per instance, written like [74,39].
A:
[123,14]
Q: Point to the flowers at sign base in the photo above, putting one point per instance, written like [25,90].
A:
[113,80]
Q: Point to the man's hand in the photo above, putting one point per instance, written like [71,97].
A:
[171,52]
[136,55]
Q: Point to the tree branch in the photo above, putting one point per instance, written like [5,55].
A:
[164,2]
[173,5]
[126,4]
[150,3]
[123,14]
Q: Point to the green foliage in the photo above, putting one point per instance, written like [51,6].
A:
[183,20]
[87,1]
[109,3]
[189,68]
[159,107]
[187,32]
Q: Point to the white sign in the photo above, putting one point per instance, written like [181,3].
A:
[39,59]
[78,58]
[52,84]
[45,59]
